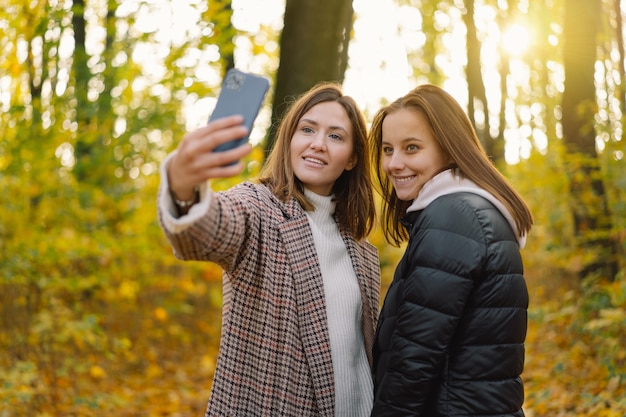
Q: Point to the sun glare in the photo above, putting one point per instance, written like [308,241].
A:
[385,56]
[516,40]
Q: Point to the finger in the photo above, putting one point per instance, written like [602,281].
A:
[216,126]
[227,121]
[231,155]
[209,165]
[226,171]
[195,160]
[227,135]
[206,139]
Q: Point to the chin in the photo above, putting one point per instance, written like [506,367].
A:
[404,197]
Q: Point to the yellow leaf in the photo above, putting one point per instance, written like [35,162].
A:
[160,314]
[129,289]
[97,372]
[153,371]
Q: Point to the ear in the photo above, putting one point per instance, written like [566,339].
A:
[351,163]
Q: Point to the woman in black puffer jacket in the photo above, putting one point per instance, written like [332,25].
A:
[450,337]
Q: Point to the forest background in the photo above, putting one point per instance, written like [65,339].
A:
[97,317]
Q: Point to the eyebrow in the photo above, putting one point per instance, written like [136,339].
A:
[313,122]
[406,140]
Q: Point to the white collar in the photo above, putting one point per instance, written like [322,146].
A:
[448,182]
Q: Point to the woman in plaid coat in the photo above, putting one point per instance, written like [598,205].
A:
[301,283]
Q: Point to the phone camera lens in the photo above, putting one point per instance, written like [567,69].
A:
[234,81]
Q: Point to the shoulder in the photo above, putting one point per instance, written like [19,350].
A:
[250,197]
[249,189]
[464,217]
[448,234]
[462,211]
[456,212]
[460,202]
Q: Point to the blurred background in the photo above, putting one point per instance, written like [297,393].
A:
[96,315]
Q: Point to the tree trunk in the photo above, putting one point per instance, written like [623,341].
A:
[619,36]
[313,48]
[592,223]
[475,84]
[80,70]
[431,48]
[83,148]
[37,65]
[220,13]
[105,106]
[504,69]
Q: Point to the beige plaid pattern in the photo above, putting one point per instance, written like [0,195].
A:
[274,355]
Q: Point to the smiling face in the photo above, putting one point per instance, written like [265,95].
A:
[411,155]
[322,147]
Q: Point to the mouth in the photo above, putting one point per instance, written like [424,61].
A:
[402,180]
[314,160]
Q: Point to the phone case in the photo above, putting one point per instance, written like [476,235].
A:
[242,93]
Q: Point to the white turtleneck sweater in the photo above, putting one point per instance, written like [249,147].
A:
[353,381]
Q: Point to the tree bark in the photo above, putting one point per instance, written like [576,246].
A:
[313,48]
[475,83]
[83,148]
[105,106]
[219,14]
[504,69]
[619,36]
[592,223]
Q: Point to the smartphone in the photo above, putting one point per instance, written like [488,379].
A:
[242,93]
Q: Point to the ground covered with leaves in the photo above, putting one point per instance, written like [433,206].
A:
[94,323]
[157,358]
[576,359]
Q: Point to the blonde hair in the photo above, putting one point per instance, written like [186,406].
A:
[355,210]
[457,138]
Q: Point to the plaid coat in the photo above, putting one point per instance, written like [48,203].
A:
[274,357]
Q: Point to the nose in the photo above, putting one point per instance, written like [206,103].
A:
[395,162]
[318,142]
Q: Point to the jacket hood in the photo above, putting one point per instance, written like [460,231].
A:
[449,182]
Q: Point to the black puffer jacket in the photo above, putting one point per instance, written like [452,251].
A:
[450,337]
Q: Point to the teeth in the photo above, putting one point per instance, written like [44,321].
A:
[404,179]
[314,160]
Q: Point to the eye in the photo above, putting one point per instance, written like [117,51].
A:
[412,148]
[307,129]
[387,150]
[335,136]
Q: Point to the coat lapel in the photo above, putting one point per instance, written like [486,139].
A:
[312,321]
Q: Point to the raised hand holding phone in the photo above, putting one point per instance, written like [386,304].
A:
[242,93]
[196,162]
[213,151]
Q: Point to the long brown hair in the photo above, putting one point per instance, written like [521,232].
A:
[355,210]
[457,138]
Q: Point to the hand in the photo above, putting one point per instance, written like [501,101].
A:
[195,161]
